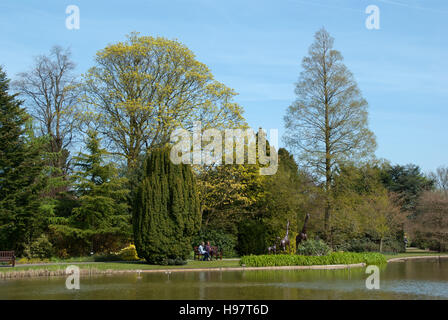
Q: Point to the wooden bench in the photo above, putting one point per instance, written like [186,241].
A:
[8,256]
[215,252]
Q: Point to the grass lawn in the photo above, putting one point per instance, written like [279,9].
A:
[414,254]
[125,265]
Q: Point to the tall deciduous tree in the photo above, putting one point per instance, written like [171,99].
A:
[430,225]
[51,92]
[144,88]
[166,210]
[440,177]
[228,193]
[327,124]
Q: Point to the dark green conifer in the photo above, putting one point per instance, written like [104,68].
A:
[166,209]
[20,174]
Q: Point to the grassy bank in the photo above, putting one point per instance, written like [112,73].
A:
[414,254]
[298,260]
[122,266]
[87,267]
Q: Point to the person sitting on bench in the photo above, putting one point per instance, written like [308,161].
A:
[203,252]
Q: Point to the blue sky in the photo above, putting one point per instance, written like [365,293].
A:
[256,47]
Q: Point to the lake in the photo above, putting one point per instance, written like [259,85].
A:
[412,279]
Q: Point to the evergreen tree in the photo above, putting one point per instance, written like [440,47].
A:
[408,182]
[166,210]
[102,196]
[20,174]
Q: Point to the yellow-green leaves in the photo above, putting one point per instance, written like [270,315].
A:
[146,87]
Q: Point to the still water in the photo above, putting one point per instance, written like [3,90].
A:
[413,279]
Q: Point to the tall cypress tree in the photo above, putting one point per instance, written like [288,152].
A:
[20,174]
[166,210]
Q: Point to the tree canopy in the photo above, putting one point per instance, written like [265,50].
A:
[327,124]
[142,89]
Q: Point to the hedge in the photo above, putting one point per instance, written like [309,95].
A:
[369,258]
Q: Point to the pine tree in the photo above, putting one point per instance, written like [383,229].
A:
[166,209]
[102,195]
[20,174]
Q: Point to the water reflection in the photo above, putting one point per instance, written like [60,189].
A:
[414,279]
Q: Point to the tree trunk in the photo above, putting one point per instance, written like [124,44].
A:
[327,153]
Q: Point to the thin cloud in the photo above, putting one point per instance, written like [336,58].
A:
[314,3]
[402,4]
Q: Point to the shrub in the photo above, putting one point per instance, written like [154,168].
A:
[394,246]
[26,260]
[219,238]
[251,238]
[40,248]
[128,254]
[174,262]
[108,257]
[390,245]
[313,248]
[299,260]
[358,245]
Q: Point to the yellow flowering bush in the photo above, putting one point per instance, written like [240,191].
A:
[129,253]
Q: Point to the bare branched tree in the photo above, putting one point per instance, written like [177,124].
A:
[440,178]
[50,89]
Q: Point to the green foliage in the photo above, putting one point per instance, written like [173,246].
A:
[225,241]
[328,123]
[298,260]
[75,242]
[359,245]
[251,238]
[362,206]
[142,88]
[99,220]
[166,212]
[41,248]
[408,182]
[173,262]
[21,182]
[252,207]
[102,195]
[391,244]
[285,195]
[228,194]
[313,248]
